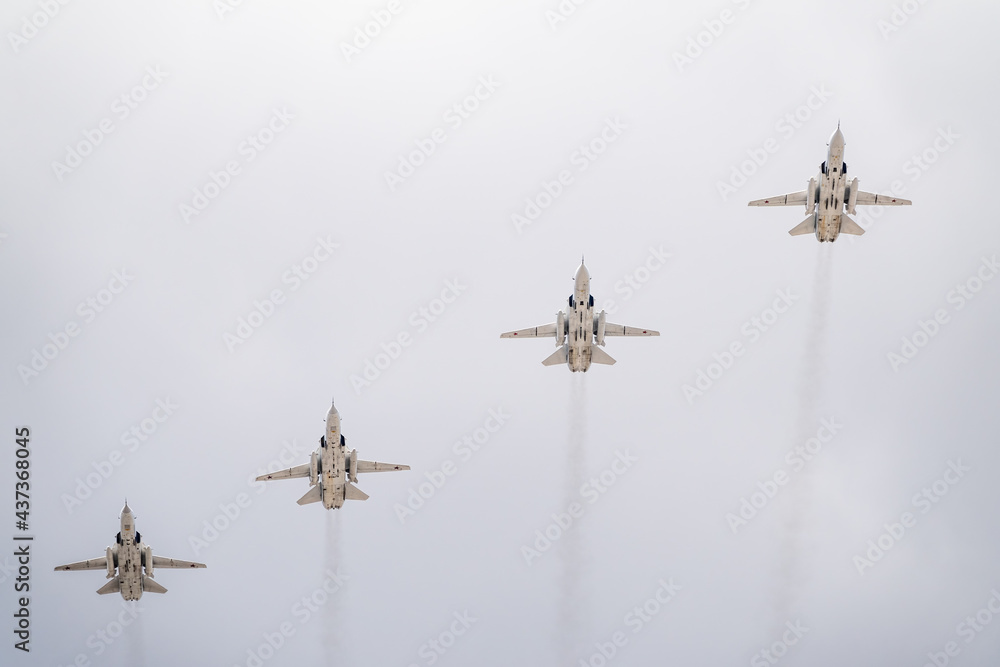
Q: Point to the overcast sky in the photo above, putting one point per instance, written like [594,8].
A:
[222,215]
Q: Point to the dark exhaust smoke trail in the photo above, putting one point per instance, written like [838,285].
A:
[136,642]
[571,545]
[810,385]
[331,617]
[811,381]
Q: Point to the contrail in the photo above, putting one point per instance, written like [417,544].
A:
[571,544]
[331,617]
[809,391]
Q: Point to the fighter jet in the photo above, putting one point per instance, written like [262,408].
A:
[332,470]
[578,328]
[129,556]
[828,195]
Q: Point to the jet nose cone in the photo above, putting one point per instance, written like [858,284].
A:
[126,510]
[837,138]
[581,272]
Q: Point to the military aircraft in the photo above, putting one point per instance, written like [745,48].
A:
[332,470]
[578,328]
[828,195]
[130,556]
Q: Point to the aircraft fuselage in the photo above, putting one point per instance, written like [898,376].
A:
[333,482]
[129,553]
[580,323]
[831,187]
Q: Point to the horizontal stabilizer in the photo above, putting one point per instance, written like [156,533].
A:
[375,466]
[354,493]
[150,586]
[621,330]
[544,331]
[872,199]
[113,586]
[560,356]
[599,356]
[807,226]
[313,495]
[793,199]
[92,564]
[290,473]
[848,226]
[163,561]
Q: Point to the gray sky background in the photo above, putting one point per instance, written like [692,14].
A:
[656,186]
